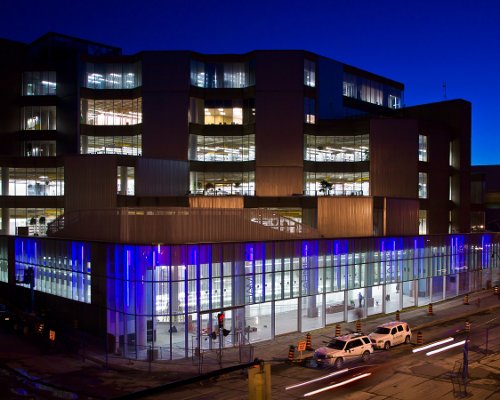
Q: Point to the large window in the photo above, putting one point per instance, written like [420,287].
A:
[222,148]
[38,118]
[40,148]
[371,91]
[34,181]
[422,148]
[336,148]
[222,183]
[111,112]
[422,185]
[309,73]
[222,75]
[222,112]
[309,110]
[113,76]
[39,83]
[125,180]
[31,221]
[126,145]
[337,183]
[59,268]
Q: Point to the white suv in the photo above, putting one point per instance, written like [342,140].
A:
[344,348]
[390,334]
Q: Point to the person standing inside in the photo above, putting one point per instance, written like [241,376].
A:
[360,298]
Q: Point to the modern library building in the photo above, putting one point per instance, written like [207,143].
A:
[148,193]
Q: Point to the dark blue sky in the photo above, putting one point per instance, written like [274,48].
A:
[421,44]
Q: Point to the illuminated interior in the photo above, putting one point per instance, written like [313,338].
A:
[111,112]
[126,145]
[336,148]
[222,148]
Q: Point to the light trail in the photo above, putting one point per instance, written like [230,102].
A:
[430,345]
[430,353]
[317,379]
[337,384]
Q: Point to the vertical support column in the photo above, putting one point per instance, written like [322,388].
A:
[5,210]
[123,180]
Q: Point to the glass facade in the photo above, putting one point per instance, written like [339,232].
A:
[222,183]
[336,148]
[40,148]
[309,73]
[221,112]
[113,76]
[337,183]
[4,260]
[371,91]
[125,180]
[33,181]
[222,75]
[168,296]
[422,185]
[126,145]
[31,221]
[111,112]
[39,83]
[61,268]
[222,148]
[36,118]
[309,110]
[422,148]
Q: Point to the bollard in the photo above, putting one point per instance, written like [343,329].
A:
[478,302]
[467,326]
[308,342]
[397,315]
[337,330]
[420,338]
[466,300]
[429,310]
[495,290]
[358,326]
[291,353]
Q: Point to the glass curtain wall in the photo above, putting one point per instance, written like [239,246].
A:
[60,268]
[111,112]
[39,83]
[222,75]
[371,91]
[126,145]
[337,183]
[271,288]
[336,148]
[163,300]
[222,183]
[113,76]
[222,148]
[38,118]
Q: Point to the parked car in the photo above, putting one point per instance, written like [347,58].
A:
[390,334]
[343,349]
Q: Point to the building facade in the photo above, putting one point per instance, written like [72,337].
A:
[285,189]
[167,298]
[316,140]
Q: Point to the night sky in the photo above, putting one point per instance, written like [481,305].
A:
[421,43]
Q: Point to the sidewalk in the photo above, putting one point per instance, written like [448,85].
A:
[111,376]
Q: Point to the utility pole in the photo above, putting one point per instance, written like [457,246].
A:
[444,90]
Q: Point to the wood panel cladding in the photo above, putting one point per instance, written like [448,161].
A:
[345,216]
[394,158]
